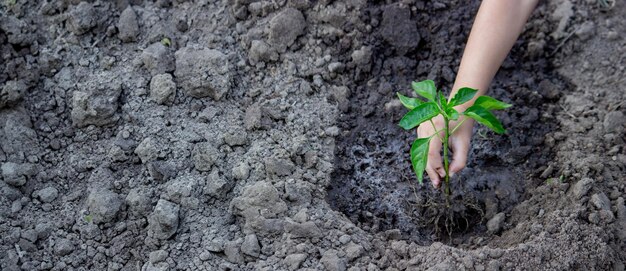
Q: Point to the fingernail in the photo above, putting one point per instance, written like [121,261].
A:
[451,174]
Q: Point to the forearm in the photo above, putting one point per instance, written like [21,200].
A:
[495,30]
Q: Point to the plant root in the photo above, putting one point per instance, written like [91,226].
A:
[446,221]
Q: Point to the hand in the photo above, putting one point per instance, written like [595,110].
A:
[486,48]
[459,143]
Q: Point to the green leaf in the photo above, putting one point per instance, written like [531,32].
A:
[419,156]
[452,113]
[484,117]
[443,101]
[425,89]
[489,103]
[166,41]
[462,96]
[408,102]
[419,114]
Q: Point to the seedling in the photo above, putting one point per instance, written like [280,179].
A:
[10,3]
[483,135]
[606,4]
[560,179]
[166,41]
[435,105]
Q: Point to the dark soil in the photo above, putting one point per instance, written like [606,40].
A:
[374,184]
[262,135]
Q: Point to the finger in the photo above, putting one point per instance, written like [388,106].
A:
[434,156]
[434,164]
[434,177]
[460,149]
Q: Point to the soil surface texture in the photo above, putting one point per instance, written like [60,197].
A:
[262,135]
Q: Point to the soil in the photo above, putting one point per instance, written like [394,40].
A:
[262,135]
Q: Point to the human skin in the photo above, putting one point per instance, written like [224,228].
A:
[496,27]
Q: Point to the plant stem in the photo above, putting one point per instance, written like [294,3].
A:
[445,160]
[434,127]
[437,133]
[458,125]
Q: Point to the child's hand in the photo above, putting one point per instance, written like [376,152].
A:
[496,28]
[459,143]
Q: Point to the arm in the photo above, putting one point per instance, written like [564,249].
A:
[496,28]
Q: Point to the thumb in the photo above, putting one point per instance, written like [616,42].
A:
[460,148]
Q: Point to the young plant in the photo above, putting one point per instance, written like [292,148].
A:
[166,41]
[435,105]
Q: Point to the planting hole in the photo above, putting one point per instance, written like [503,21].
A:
[373,183]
